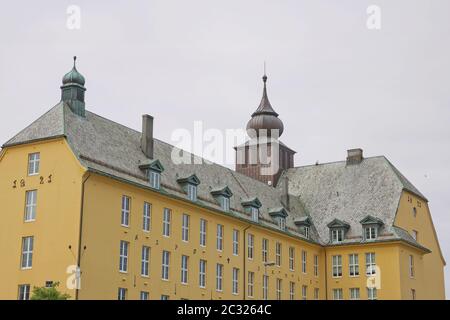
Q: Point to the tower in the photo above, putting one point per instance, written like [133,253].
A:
[72,90]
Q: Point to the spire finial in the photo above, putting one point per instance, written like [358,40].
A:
[74,61]
[264,76]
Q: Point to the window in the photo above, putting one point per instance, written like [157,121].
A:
[125,216]
[144,295]
[203,227]
[265,249]
[164,297]
[279,285]
[337,235]
[33,163]
[250,246]
[316,293]
[370,233]
[146,221]
[372,293]
[192,192]
[304,256]
[255,214]
[235,283]
[278,254]
[30,205]
[337,294]
[316,265]
[354,294]
[184,269]
[235,242]
[251,281]
[411,266]
[202,274]
[265,287]
[413,294]
[185,227]
[122,294]
[306,232]
[166,222]
[414,212]
[145,259]
[370,263]
[292,290]
[219,277]
[27,252]
[291,258]
[155,179]
[24,292]
[225,203]
[219,243]
[282,223]
[165,265]
[304,292]
[353,265]
[337,266]
[415,235]
[123,260]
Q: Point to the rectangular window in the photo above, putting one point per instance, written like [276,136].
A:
[411,266]
[370,263]
[291,258]
[370,233]
[235,242]
[24,292]
[192,192]
[202,274]
[337,266]
[122,294]
[125,215]
[413,294]
[225,203]
[282,223]
[354,294]
[203,228]
[316,265]
[155,179]
[30,205]
[144,295]
[337,294]
[304,258]
[316,293]
[292,290]
[265,249]
[251,281]
[219,277]
[279,286]
[185,227]
[164,297]
[278,254]
[337,235]
[306,232]
[219,243]
[167,216]
[235,283]
[255,214]
[145,260]
[250,246]
[184,269]
[304,292]
[353,265]
[146,220]
[372,293]
[27,252]
[123,260]
[415,235]
[265,287]
[33,163]
[165,265]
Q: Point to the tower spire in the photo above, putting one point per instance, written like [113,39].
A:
[72,90]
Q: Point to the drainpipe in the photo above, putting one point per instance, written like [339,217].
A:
[326,274]
[244,254]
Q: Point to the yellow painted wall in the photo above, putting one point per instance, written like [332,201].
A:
[57,219]
[431,286]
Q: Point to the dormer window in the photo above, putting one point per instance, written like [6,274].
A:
[223,195]
[225,203]
[282,223]
[153,169]
[189,185]
[337,235]
[306,232]
[155,179]
[304,224]
[371,226]
[252,206]
[192,192]
[255,214]
[279,215]
[371,232]
[338,229]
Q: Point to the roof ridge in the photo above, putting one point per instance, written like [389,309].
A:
[332,162]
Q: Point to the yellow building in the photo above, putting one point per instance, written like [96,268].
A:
[104,210]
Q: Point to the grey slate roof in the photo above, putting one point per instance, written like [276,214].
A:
[322,192]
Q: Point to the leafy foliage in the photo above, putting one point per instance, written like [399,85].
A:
[49,293]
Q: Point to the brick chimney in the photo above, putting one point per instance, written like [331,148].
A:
[354,156]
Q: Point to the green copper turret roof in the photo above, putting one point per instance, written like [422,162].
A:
[73,76]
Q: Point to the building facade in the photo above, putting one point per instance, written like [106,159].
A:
[104,210]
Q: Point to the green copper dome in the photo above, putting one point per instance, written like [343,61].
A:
[73,76]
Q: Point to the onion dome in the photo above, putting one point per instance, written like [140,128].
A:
[264,119]
[73,76]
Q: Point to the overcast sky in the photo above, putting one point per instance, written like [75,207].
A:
[335,83]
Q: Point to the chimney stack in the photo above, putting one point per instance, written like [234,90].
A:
[354,156]
[147,136]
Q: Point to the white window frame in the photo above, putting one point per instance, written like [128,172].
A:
[255,214]
[167,217]
[278,249]
[265,287]
[145,261]
[355,294]
[251,284]
[192,192]
[336,261]
[265,250]
[282,223]
[203,230]
[147,217]
[34,160]
[202,273]
[219,240]
[250,246]
[24,292]
[185,227]
[304,292]
[353,265]
[291,258]
[125,212]
[370,233]
[338,294]
[122,294]
[337,235]
[372,294]
[154,179]
[184,269]
[415,235]
[27,253]
[165,265]
[304,261]
[306,232]
[165,297]
[144,295]
[292,290]
[30,205]
[316,265]
[235,242]
[123,256]
[225,203]
[370,263]
[219,277]
[279,288]
[411,266]
[235,282]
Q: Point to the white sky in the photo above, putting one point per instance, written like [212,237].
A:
[335,84]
